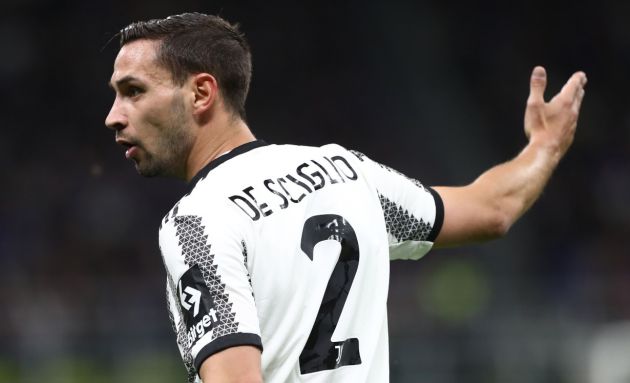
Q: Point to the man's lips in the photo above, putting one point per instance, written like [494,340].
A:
[129,153]
[131,147]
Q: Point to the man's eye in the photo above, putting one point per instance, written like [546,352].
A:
[133,91]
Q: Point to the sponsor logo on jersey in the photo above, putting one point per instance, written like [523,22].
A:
[197,305]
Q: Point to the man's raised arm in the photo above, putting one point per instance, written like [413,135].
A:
[487,208]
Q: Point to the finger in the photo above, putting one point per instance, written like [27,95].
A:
[576,82]
[582,77]
[577,103]
[570,90]
[579,79]
[537,85]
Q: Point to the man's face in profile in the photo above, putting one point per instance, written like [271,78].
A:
[149,114]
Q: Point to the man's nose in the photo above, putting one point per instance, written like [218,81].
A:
[116,119]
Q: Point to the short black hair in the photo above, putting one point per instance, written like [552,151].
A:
[198,43]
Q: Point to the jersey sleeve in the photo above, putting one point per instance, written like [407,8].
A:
[209,292]
[413,213]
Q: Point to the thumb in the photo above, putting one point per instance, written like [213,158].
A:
[537,85]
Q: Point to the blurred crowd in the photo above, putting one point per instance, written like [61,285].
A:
[437,92]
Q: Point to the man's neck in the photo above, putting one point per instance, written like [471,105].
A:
[215,140]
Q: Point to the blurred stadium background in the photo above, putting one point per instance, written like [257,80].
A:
[433,89]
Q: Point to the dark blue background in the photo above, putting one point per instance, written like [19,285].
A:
[434,89]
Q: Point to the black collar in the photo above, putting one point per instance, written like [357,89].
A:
[218,161]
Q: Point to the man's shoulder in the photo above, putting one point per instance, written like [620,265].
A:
[202,202]
[237,180]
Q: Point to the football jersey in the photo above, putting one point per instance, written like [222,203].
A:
[287,248]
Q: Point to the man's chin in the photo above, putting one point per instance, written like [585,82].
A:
[149,167]
[148,175]
[147,171]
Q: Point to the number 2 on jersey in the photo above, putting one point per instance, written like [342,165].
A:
[320,352]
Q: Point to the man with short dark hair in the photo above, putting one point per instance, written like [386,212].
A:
[286,248]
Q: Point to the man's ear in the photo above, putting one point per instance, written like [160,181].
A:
[205,90]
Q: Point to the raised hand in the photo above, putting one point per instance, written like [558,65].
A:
[552,124]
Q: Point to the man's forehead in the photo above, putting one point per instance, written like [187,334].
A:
[137,59]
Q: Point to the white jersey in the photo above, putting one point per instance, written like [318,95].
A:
[287,248]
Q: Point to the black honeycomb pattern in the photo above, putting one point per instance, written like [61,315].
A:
[403,225]
[249,278]
[362,157]
[415,181]
[180,331]
[358,154]
[196,251]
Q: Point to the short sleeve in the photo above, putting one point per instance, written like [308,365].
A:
[212,304]
[413,213]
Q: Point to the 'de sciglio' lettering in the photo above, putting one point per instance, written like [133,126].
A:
[279,193]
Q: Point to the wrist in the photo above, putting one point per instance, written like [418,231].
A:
[545,149]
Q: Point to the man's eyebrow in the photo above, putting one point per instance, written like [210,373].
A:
[123,81]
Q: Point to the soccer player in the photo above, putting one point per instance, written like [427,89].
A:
[277,258]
